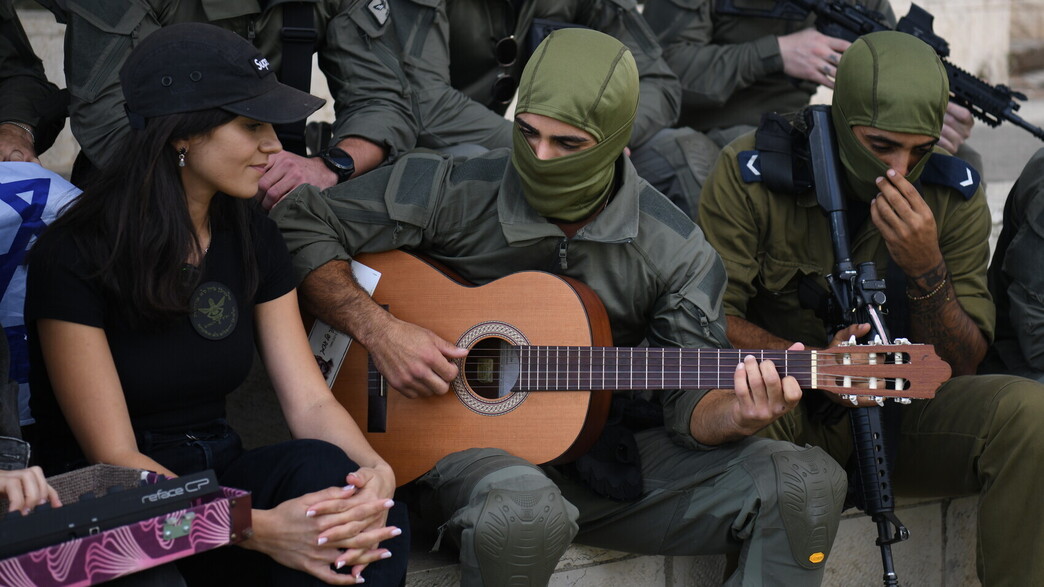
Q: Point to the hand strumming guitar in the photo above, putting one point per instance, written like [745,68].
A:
[412,359]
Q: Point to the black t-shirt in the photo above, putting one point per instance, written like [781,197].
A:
[174,377]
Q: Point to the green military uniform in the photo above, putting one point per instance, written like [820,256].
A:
[730,66]
[449,55]
[448,49]
[980,434]
[361,67]
[1016,278]
[771,241]
[659,281]
[25,93]
[657,278]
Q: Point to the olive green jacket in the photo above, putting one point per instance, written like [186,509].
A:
[1017,278]
[658,278]
[769,241]
[730,66]
[448,52]
[361,66]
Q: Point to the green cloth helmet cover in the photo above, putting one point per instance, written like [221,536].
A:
[890,81]
[588,80]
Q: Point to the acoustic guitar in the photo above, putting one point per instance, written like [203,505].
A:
[534,382]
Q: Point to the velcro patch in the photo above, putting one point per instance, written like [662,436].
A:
[951,172]
[749,166]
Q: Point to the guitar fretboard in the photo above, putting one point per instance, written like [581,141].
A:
[569,368]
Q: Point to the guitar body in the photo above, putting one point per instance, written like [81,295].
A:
[532,308]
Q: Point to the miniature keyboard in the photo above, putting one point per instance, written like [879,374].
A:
[91,513]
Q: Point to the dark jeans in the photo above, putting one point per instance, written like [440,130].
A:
[273,474]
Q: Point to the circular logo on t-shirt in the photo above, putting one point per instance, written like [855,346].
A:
[214,311]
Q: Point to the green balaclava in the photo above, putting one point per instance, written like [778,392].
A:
[589,80]
[891,81]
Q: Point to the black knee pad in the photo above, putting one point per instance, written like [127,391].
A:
[811,490]
[521,533]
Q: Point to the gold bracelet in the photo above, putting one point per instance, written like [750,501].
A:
[32,137]
[935,290]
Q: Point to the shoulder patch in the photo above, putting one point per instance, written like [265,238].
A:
[952,172]
[749,166]
[379,10]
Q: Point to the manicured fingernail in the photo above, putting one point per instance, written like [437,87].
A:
[891,173]
[751,357]
[386,554]
[359,579]
[396,532]
[389,503]
[340,564]
[348,487]
[322,541]
[310,514]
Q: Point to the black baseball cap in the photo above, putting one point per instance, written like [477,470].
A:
[188,67]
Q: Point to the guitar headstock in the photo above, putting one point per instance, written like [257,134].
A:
[901,371]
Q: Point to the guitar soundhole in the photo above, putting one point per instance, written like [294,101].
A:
[485,364]
[490,371]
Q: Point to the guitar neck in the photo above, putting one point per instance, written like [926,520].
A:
[572,368]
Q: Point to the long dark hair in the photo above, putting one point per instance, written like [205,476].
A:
[132,224]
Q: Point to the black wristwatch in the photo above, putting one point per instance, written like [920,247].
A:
[339,162]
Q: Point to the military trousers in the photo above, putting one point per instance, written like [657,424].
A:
[981,435]
[728,499]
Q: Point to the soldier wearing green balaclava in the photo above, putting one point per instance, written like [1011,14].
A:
[569,79]
[891,102]
[927,232]
[669,480]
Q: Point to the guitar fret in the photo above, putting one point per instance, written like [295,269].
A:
[603,369]
[663,363]
[617,370]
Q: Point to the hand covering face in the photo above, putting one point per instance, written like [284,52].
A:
[890,81]
[589,80]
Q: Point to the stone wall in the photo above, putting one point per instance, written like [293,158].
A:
[1027,19]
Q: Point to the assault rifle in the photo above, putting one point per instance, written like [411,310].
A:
[858,297]
[836,18]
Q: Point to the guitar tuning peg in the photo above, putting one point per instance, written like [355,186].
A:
[879,400]
[903,400]
[902,341]
[852,398]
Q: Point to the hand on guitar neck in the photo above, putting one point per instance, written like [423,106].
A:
[413,359]
[745,334]
[759,397]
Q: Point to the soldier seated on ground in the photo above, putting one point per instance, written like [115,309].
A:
[566,200]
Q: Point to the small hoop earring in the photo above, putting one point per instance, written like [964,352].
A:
[181,157]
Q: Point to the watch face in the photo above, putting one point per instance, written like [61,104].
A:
[339,158]
[339,162]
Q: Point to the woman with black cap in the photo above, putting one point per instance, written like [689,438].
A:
[147,298]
